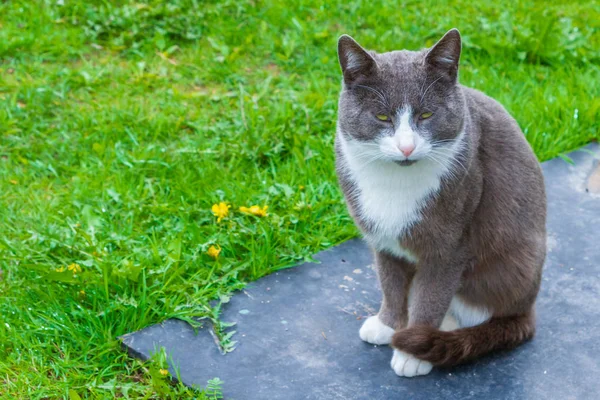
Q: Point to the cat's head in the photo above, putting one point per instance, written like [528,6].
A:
[401,106]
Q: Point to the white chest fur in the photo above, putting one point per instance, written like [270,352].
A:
[390,198]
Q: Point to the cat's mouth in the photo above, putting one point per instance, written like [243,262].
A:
[405,163]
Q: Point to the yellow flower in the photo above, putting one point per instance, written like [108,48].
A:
[220,210]
[75,268]
[61,269]
[82,293]
[214,251]
[163,372]
[255,210]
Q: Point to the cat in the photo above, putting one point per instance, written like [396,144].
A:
[450,197]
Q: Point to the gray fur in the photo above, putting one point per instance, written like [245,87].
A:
[482,235]
[401,78]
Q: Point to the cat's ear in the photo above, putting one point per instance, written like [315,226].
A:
[354,60]
[445,54]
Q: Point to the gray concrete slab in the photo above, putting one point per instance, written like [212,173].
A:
[297,330]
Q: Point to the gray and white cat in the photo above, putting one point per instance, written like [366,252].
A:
[449,195]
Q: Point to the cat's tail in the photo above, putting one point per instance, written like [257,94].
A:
[455,347]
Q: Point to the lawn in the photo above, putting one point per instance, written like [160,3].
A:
[122,123]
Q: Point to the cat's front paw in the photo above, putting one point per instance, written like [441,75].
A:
[406,365]
[376,332]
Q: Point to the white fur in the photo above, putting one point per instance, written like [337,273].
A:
[446,60]
[390,196]
[391,245]
[449,323]
[406,365]
[352,60]
[404,135]
[376,332]
[468,315]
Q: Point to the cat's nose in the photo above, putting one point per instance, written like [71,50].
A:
[406,149]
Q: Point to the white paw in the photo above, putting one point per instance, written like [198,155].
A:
[406,365]
[376,332]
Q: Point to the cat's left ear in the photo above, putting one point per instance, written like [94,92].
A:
[445,54]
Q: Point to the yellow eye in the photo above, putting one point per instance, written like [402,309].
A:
[382,117]
[426,115]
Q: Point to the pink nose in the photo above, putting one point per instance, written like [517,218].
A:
[406,149]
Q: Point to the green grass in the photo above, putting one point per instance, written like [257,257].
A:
[122,123]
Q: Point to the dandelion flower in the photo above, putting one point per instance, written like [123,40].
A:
[163,372]
[75,268]
[214,251]
[255,210]
[220,210]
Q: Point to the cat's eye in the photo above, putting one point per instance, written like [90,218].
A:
[382,117]
[425,115]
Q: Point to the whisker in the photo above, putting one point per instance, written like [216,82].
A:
[431,84]
[384,101]
[450,171]
[452,162]
[442,142]
[367,159]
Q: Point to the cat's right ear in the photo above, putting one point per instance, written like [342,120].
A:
[355,61]
[445,54]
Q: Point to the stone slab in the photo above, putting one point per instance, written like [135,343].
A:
[297,329]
